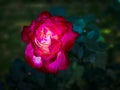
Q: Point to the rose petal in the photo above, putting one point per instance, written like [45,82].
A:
[31,59]
[60,63]
[47,58]
[44,14]
[58,18]
[27,33]
[70,26]
[62,28]
[68,40]
[55,46]
[24,34]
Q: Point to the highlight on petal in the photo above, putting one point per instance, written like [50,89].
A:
[31,59]
[61,63]
[37,61]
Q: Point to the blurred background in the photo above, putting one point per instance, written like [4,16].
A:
[101,75]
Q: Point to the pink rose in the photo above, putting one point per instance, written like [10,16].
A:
[48,39]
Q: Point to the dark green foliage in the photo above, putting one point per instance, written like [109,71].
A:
[90,41]
[2,86]
[23,77]
[85,75]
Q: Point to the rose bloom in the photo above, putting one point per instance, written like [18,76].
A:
[48,38]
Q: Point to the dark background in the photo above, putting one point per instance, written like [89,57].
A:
[14,14]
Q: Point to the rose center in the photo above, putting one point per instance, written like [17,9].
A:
[47,39]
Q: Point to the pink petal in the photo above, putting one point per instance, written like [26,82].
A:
[47,58]
[55,46]
[61,63]
[60,28]
[44,14]
[31,59]
[68,40]
[58,18]
[27,33]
